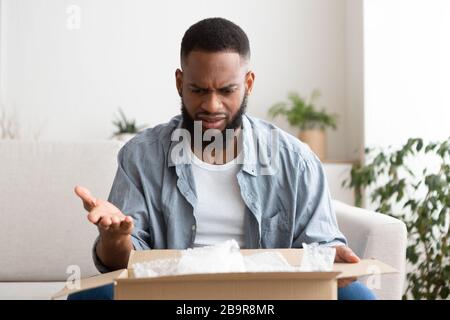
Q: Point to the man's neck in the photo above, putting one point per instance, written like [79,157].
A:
[221,156]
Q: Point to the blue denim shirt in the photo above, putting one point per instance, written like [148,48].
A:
[287,204]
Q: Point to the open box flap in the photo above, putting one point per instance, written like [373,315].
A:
[92,282]
[241,276]
[364,267]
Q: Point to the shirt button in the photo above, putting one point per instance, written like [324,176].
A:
[193,227]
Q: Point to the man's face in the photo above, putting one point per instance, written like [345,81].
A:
[213,88]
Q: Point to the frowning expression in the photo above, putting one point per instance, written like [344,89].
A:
[213,87]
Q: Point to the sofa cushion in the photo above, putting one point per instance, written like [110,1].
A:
[44,228]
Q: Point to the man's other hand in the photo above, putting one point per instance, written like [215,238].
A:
[345,255]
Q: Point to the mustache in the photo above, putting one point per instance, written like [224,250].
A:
[211,115]
[234,123]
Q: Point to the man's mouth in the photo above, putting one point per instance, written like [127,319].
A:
[212,122]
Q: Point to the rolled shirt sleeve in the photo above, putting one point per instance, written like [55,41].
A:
[315,219]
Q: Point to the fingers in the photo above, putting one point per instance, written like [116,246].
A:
[345,254]
[350,256]
[89,201]
[111,223]
[95,215]
[127,225]
[103,218]
[105,222]
[122,225]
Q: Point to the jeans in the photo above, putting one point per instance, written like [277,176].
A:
[354,291]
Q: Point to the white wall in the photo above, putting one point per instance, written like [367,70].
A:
[406,74]
[69,83]
[407,70]
[354,71]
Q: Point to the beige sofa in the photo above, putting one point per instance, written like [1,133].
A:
[44,231]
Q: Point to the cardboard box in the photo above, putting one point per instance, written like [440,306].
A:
[229,286]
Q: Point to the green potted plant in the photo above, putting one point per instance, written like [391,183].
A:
[125,128]
[418,193]
[305,116]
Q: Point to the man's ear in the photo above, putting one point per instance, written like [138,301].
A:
[249,81]
[179,81]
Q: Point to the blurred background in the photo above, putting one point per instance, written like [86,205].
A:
[382,66]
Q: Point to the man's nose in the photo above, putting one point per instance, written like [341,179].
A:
[212,103]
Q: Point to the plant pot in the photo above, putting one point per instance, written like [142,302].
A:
[316,140]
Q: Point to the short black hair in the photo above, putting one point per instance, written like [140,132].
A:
[215,35]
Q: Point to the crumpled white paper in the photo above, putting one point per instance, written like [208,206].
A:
[226,257]
[156,268]
[267,262]
[317,257]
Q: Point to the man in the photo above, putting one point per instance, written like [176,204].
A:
[257,184]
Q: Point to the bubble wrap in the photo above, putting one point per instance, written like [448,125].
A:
[317,257]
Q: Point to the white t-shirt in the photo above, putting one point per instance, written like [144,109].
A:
[220,209]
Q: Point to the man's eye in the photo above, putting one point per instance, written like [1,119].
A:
[227,91]
[196,90]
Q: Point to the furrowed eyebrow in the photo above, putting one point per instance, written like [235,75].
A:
[228,87]
[196,87]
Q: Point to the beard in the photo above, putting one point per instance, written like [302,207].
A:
[234,123]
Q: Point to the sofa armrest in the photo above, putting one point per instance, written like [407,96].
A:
[374,235]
